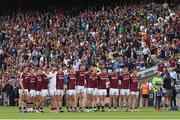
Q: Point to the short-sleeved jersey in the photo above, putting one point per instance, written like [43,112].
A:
[134,82]
[125,81]
[39,81]
[32,82]
[60,81]
[114,81]
[102,79]
[91,80]
[25,80]
[81,76]
[71,82]
[45,82]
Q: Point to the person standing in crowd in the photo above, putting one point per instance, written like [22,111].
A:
[145,93]
[91,89]
[45,83]
[102,92]
[60,88]
[71,90]
[39,83]
[52,87]
[80,86]
[32,91]
[125,79]
[174,93]
[157,82]
[167,85]
[161,67]
[23,91]
[134,90]
[114,89]
[173,74]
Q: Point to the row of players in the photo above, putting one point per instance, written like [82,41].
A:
[36,85]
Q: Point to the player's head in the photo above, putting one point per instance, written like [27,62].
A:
[104,71]
[114,71]
[39,71]
[158,74]
[26,69]
[82,67]
[60,70]
[93,70]
[32,71]
[72,71]
[126,71]
[135,72]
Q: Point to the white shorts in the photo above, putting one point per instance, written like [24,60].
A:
[113,91]
[102,92]
[93,91]
[59,92]
[25,92]
[32,93]
[52,91]
[71,92]
[134,93]
[45,92]
[125,92]
[39,93]
[80,89]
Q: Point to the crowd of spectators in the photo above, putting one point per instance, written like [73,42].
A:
[125,35]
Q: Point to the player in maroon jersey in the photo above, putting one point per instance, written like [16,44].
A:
[102,92]
[161,66]
[71,89]
[32,92]
[91,89]
[80,89]
[125,88]
[113,91]
[135,79]
[44,88]
[59,88]
[39,83]
[23,91]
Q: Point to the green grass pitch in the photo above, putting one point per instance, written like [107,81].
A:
[148,113]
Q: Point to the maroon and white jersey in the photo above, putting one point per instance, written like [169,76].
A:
[125,81]
[134,82]
[60,81]
[71,82]
[114,81]
[102,79]
[81,76]
[25,80]
[32,82]
[45,82]
[39,82]
[91,80]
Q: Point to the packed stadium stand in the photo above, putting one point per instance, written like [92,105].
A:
[104,34]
